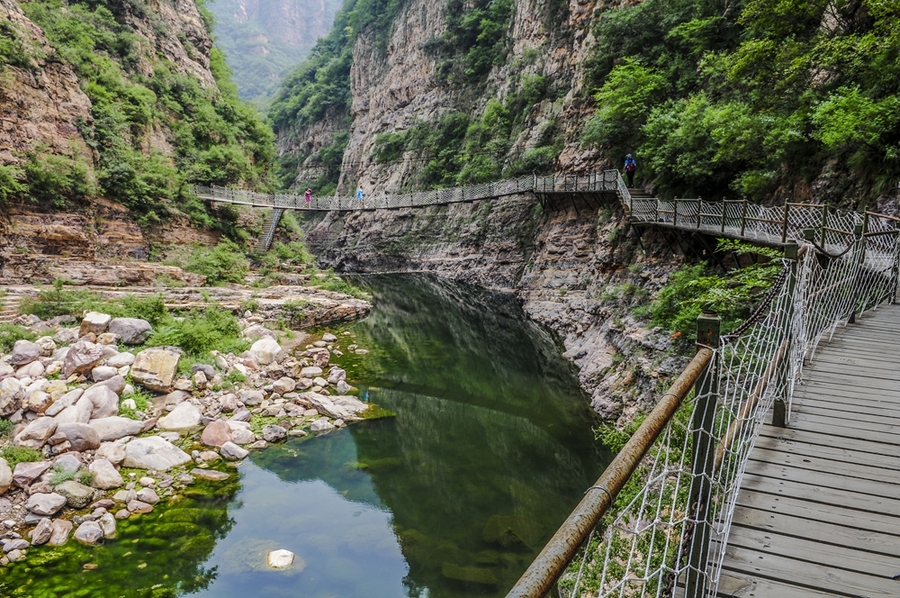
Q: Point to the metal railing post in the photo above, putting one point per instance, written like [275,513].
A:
[779,407]
[784,225]
[675,213]
[699,211]
[704,444]
[743,216]
[724,206]
[824,224]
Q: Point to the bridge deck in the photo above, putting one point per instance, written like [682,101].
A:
[818,513]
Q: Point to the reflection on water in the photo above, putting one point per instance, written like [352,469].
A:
[489,451]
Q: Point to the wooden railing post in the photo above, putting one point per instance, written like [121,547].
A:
[704,443]
[779,407]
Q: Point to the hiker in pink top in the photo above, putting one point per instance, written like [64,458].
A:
[308,195]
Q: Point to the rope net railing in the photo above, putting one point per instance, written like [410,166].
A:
[669,537]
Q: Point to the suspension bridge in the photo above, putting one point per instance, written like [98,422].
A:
[769,468]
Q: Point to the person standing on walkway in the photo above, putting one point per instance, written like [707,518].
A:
[630,167]
[308,195]
[359,193]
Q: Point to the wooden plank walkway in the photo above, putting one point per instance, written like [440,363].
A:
[818,512]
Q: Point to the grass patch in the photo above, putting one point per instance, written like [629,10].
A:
[20,454]
[6,427]
[10,333]
[200,331]
[60,475]
[59,301]
[258,422]
[142,402]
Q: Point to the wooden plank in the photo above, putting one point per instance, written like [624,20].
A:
[822,480]
[812,437]
[846,516]
[816,552]
[851,426]
[822,495]
[812,378]
[866,542]
[886,438]
[880,471]
[738,585]
[822,578]
[869,407]
[856,363]
[837,454]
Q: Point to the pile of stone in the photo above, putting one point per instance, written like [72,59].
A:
[64,393]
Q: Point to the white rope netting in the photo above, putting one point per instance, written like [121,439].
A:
[647,548]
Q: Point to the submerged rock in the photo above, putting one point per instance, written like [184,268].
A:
[280,559]
[89,533]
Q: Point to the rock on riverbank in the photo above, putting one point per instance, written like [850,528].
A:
[73,409]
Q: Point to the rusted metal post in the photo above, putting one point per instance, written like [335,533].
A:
[779,407]
[724,207]
[824,223]
[704,444]
[699,211]
[543,572]
[675,213]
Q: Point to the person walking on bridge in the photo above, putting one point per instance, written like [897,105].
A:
[308,196]
[359,193]
[630,167]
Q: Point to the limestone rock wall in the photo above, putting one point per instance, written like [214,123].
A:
[41,103]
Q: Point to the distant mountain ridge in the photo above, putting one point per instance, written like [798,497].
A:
[263,40]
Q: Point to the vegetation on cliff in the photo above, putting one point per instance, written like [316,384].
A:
[745,98]
[155,130]
[716,98]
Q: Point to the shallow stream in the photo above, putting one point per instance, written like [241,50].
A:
[489,450]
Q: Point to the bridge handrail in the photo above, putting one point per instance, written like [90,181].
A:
[673,533]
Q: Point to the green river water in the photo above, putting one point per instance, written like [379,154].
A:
[490,449]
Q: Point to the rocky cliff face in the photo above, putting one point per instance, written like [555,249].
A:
[397,86]
[568,265]
[40,101]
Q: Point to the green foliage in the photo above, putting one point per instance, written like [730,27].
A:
[57,180]
[718,98]
[19,454]
[11,184]
[694,288]
[142,402]
[234,377]
[58,301]
[475,39]
[624,102]
[216,138]
[6,427]
[10,333]
[60,475]
[85,477]
[223,263]
[322,83]
[199,332]
[329,281]
[13,46]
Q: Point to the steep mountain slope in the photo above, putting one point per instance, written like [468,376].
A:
[120,99]
[716,98]
[264,40]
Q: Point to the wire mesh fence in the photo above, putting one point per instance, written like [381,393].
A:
[669,538]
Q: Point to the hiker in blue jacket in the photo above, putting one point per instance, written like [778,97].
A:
[630,167]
